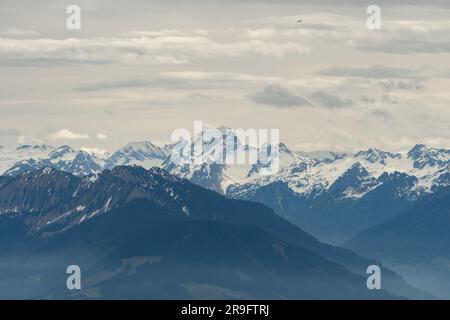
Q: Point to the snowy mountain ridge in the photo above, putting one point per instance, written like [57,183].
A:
[304,174]
[314,176]
[332,197]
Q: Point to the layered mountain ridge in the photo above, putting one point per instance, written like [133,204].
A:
[148,234]
[331,195]
[415,242]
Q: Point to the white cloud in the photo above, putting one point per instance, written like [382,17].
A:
[94,151]
[28,139]
[150,48]
[102,136]
[66,134]
[260,33]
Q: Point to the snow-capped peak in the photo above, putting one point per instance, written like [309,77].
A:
[142,153]
[428,156]
[376,155]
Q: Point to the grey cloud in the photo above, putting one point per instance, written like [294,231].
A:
[388,99]
[383,99]
[180,80]
[375,72]
[280,97]
[276,96]
[390,85]
[381,113]
[367,99]
[151,83]
[131,83]
[327,100]
[49,62]
[413,85]
[142,83]
[401,46]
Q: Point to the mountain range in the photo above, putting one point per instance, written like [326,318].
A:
[333,196]
[392,206]
[147,234]
[416,243]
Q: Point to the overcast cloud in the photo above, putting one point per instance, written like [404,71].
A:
[139,69]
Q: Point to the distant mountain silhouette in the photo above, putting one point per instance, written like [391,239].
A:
[416,242]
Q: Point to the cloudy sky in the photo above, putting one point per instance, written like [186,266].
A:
[137,70]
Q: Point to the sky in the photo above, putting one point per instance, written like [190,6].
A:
[138,70]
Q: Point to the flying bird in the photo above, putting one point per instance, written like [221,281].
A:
[301,20]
